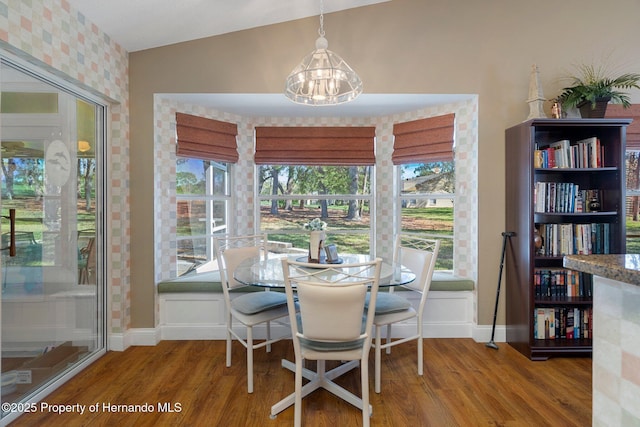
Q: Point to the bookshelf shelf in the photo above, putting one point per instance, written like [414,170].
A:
[580,170]
[542,298]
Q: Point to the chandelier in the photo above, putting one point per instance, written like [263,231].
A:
[323,77]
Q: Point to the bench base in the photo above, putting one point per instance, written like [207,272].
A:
[194,316]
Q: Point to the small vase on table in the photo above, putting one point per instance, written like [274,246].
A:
[316,243]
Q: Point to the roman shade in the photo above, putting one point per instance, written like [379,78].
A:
[633,130]
[425,140]
[206,139]
[349,146]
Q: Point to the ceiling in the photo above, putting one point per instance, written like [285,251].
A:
[143,24]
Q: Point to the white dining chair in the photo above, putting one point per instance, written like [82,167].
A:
[330,325]
[419,255]
[248,308]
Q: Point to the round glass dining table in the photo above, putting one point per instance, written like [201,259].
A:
[268,273]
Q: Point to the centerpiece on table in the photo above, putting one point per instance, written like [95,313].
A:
[317,237]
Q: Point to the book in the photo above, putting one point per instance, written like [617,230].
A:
[561,151]
[540,325]
[569,324]
[591,153]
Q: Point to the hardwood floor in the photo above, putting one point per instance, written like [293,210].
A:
[464,384]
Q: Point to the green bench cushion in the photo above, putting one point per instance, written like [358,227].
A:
[446,281]
[210,283]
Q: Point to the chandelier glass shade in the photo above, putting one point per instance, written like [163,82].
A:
[323,77]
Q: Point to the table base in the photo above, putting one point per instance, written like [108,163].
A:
[320,379]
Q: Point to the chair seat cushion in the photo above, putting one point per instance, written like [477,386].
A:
[389,303]
[331,346]
[257,302]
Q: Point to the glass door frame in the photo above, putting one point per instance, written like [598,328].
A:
[101,180]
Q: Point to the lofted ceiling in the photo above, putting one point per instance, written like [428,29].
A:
[144,24]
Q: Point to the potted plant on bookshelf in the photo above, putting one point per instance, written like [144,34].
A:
[592,90]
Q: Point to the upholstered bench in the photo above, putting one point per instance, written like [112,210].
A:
[210,282]
[192,307]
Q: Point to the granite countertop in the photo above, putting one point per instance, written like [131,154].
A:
[623,268]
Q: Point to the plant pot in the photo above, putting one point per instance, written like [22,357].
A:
[597,112]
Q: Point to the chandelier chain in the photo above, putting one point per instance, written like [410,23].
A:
[321,29]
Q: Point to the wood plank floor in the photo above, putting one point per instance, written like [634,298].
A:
[464,384]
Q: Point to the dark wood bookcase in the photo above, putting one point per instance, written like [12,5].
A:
[542,198]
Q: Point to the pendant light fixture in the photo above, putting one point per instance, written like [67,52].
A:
[323,77]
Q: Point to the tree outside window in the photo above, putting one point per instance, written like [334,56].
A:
[291,196]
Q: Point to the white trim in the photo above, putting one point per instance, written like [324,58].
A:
[151,337]
[134,337]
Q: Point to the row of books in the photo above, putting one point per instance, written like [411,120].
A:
[561,282]
[562,323]
[565,197]
[567,239]
[585,153]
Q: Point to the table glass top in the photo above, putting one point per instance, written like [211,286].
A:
[269,273]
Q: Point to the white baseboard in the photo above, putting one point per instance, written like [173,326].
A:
[482,333]
[135,337]
[148,336]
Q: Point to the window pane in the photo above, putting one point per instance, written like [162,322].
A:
[192,174]
[192,217]
[291,196]
[427,199]
[436,178]
[290,180]
[191,254]
[633,171]
[299,243]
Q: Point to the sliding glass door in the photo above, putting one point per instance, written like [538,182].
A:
[52,299]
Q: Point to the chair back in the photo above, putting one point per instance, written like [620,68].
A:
[232,250]
[331,301]
[419,255]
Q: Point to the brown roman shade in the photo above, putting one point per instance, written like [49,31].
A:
[615,111]
[206,139]
[349,146]
[425,140]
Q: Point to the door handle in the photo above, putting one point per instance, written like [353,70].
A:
[12,232]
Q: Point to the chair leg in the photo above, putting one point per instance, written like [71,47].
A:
[297,405]
[364,378]
[389,338]
[420,346]
[378,356]
[420,362]
[229,326]
[268,336]
[249,359]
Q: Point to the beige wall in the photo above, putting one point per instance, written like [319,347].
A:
[402,46]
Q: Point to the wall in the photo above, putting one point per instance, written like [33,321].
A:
[58,39]
[402,46]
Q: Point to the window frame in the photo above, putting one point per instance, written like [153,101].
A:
[212,198]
